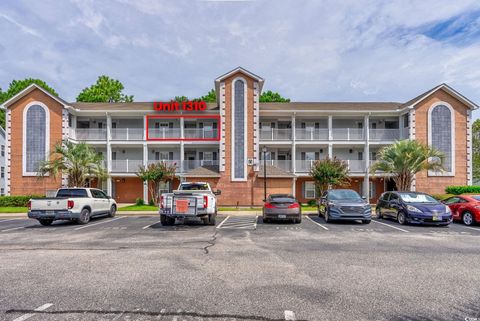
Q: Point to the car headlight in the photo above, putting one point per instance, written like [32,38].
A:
[411,208]
[448,210]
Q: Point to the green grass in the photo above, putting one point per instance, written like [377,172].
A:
[140,208]
[11,209]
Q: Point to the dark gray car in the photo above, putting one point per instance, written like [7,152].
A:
[344,204]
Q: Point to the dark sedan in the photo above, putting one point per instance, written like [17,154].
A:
[413,207]
[344,204]
[282,207]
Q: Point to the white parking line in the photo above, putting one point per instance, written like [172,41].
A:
[13,219]
[471,228]
[256,221]
[102,222]
[221,223]
[145,227]
[29,315]
[13,229]
[290,315]
[324,227]
[397,228]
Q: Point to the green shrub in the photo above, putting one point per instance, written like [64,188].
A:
[17,201]
[442,197]
[457,190]
[139,202]
[151,203]
[312,203]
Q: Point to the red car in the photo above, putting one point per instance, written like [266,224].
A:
[465,208]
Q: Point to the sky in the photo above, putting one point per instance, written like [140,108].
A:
[358,50]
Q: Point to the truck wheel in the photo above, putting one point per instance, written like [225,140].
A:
[113,211]
[211,219]
[166,221]
[84,216]
[45,222]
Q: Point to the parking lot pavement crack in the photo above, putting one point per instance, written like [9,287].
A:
[151,314]
[211,242]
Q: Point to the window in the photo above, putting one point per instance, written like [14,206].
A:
[441,136]
[406,120]
[3,150]
[114,155]
[2,191]
[35,137]
[310,190]
[98,193]
[2,173]
[452,200]
[239,167]
[72,192]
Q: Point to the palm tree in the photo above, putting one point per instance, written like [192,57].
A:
[404,159]
[329,172]
[78,161]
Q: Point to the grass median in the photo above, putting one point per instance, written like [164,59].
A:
[11,209]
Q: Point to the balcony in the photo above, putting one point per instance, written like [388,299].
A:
[127,134]
[311,134]
[285,165]
[384,134]
[200,133]
[276,134]
[356,166]
[188,165]
[348,134]
[164,133]
[89,133]
[303,166]
[126,166]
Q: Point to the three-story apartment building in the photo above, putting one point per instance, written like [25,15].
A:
[226,143]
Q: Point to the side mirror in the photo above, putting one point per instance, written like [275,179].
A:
[217,192]
[364,198]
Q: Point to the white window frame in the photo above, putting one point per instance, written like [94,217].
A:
[309,190]
[232,136]
[452,133]
[24,138]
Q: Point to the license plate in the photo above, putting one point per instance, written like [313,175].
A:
[436,218]
[282,216]
[181,206]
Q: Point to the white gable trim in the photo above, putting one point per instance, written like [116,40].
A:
[451,91]
[28,90]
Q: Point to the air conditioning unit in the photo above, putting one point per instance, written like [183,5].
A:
[250,161]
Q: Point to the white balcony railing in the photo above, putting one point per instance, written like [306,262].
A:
[188,165]
[348,133]
[177,163]
[285,165]
[127,134]
[356,166]
[303,166]
[89,133]
[126,166]
[311,134]
[276,134]
[163,133]
[200,133]
[384,134]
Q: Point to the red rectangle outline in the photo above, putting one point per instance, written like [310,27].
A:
[217,117]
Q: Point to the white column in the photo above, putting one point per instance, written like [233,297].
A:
[366,125]
[109,187]
[109,127]
[366,181]
[294,185]
[330,150]
[182,124]
[330,127]
[182,156]
[294,147]
[145,126]
[145,163]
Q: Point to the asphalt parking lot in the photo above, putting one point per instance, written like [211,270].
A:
[132,268]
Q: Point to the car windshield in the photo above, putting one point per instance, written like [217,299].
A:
[194,187]
[417,198]
[476,197]
[344,195]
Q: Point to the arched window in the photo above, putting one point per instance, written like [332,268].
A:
[441,134]
[239,128]
[35,137]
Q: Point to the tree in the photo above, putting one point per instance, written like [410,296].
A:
[476,150]
[17,86]
[210,97]
[180,99]
[78,161]
[329,172]
[404,159]
[105,90]
[154,174]
[272,97]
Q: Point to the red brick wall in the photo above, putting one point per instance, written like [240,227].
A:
[127,189]
[436,185]
[25,185]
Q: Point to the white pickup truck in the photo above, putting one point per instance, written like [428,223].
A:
[73,204]
[190,200]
